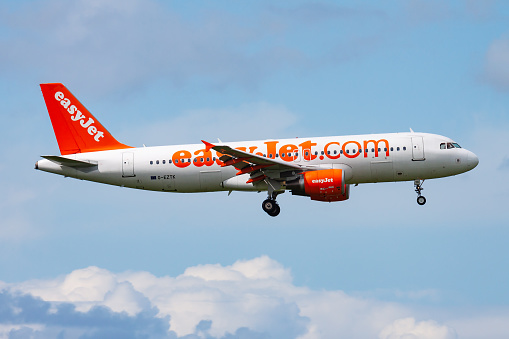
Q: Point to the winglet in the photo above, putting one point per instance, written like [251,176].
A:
[208,145]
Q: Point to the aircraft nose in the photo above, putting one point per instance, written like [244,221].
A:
[472,159]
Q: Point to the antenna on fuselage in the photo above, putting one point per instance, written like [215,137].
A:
[411,130]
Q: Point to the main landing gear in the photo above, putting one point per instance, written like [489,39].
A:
[421,200]
[271,207]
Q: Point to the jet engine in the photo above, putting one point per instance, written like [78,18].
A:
[322,185]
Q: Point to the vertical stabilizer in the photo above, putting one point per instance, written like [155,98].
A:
[76,129]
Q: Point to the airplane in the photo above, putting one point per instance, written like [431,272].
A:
[321,168]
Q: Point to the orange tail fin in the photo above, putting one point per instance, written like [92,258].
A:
[76,129]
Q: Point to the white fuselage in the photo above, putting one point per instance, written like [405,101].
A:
[191,168]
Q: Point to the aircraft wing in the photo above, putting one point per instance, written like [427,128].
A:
[251,163]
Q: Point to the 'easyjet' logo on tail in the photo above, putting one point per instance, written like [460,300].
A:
[77,116]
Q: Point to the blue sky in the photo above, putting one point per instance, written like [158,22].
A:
[215,266]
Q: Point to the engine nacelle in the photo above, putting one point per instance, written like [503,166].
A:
[322,185]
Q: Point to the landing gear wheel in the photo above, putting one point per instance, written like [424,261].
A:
[275,212]
[269,206]
[421,200]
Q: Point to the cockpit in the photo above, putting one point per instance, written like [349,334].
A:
[449,145]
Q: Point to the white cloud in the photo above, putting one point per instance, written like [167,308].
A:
[249,299]
[408,328]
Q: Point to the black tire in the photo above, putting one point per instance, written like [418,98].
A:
[421,200]
[269,205]
[275,212]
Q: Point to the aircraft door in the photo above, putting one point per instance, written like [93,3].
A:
[417,149]
[128,165]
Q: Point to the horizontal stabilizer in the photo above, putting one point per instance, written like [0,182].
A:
[69,162]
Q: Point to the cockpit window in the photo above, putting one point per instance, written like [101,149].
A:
[449,145]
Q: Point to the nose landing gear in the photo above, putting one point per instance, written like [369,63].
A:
[421,200]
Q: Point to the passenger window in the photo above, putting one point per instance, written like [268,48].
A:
[404,148]
[151,162]
[341,152]
[195,159]
[335,152]
[328,152]
[283,155]
[392,149]
[385,149]
[397,149]
[348,151]
[307,154]
[164,162]
[372,150]
[169,161]
[176,161]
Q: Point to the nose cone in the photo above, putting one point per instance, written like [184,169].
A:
[472,160]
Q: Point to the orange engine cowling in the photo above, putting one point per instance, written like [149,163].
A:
[322,185]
